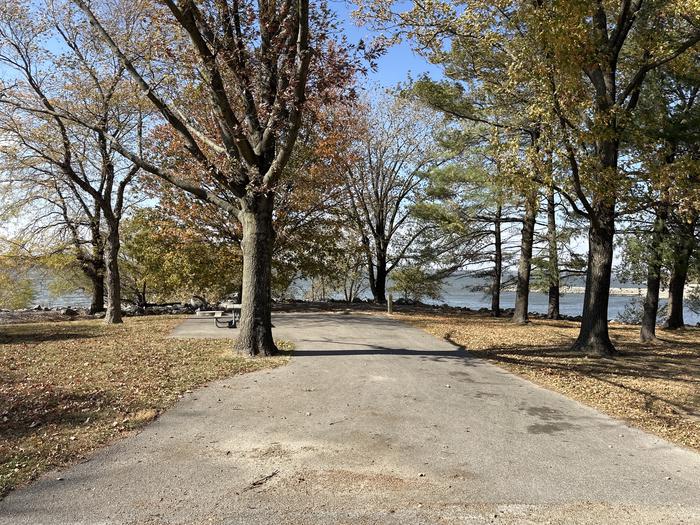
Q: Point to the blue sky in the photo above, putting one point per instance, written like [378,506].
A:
[396,64]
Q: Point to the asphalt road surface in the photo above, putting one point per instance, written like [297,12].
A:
[372,422]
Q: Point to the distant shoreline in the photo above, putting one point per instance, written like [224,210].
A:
[639,291]
[629,292]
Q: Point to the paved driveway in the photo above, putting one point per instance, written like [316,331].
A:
[373,422]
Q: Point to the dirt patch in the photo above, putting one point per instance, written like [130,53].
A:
[69,387]
[274,451]
[654,387]
[353,481]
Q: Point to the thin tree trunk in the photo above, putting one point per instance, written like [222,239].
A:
[141,301]
[522,293]
[113,313]
[593,337]
[351,285]
[255,336]
[651,301]
[497,265]
[553,272]
[676,287]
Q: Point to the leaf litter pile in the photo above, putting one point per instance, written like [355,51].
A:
[69,387]
[653,387]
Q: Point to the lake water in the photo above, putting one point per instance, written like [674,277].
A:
[456,292]
[569,304]
[76,299]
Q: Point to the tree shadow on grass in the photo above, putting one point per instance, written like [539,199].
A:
[29,407]
[660,364]
[669,363]
[42,337]
[34,333]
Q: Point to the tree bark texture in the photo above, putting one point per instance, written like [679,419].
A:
[379,289]
[97,304]
[553,256]
[94,269]
[113,313]
[255,337]
[376,271]
[522,292]
[593,337]
[676,286]
[651,300]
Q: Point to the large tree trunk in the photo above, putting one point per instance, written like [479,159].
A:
[553,262]
[379,288]
[98,277]
[370,266]
[93,264]
[651,301]
[113,313]
[593,337]
[522,292]
[255,336]
[497,265]
[94,269]
[676,287]
[98,269]
[97,303]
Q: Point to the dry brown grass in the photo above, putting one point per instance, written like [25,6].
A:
[654,387]
[69,387]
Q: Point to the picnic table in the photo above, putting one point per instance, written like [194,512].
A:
[234,308]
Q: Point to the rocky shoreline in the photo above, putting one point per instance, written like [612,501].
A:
[38,313]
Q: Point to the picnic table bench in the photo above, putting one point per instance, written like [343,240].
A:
[235,314]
